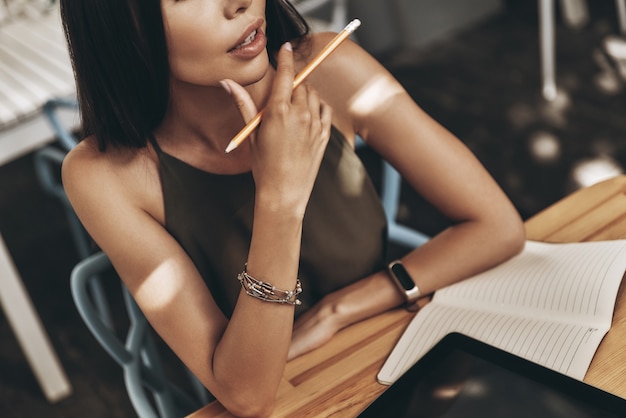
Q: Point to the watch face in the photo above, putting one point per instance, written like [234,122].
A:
[403,276]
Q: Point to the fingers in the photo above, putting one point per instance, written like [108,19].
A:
[321,112]
[314,114]
[298,113]
[242,99]
[283,84]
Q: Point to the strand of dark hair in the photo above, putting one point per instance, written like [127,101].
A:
[119,56]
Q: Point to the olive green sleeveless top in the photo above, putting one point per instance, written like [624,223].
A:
[344,229]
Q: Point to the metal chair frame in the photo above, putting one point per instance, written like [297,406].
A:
[138,357]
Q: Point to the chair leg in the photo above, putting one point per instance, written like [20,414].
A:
[28,328]
[547,49]
[392,182]
[405,236]
[621,15]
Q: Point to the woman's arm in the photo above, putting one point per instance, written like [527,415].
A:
[241,360]
[486,229]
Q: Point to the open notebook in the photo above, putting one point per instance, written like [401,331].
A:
[552,304]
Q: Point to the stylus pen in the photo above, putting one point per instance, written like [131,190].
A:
[308,69]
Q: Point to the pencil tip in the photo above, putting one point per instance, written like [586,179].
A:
[353,25]
[231,146]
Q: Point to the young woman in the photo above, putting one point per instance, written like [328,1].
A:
[163,87]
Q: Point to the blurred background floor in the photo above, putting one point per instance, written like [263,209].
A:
[483,84]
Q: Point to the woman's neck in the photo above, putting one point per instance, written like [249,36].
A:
[202,120]
[207,115]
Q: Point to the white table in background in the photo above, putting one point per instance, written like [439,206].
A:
[34,67]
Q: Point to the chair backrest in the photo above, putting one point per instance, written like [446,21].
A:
[47,161]
[151,393]
[390,195]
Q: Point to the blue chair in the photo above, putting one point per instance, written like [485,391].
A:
[48,162]
[150,391]
[390,196]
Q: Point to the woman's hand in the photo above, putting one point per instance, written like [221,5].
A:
[313,329]
[289,145]
[360,300]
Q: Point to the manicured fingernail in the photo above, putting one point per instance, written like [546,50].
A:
[288,46]
[226,87]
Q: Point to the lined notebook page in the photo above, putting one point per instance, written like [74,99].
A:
[552,305]
[573,278]
[565,347]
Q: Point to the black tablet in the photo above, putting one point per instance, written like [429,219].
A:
[463,377]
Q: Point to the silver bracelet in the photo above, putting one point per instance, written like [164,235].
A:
[267,292]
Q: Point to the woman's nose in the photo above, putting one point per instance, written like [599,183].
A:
[236,7]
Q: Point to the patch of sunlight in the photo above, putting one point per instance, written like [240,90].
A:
[374,95]
[588,172]
[615,46]
[160,287]
[351,179]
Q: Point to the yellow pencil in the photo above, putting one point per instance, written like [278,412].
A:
[308,69]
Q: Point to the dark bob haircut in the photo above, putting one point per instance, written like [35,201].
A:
[119,55]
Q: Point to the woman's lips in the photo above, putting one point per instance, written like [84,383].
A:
[249,39]
[251,46]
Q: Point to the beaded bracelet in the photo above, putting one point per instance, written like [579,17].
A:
[267,292]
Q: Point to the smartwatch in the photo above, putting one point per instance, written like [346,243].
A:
[404,281]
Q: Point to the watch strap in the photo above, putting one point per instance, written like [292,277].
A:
[403,280]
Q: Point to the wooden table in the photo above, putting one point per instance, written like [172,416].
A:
[339,379]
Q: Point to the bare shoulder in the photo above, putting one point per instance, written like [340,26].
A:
[88,153]
[86,163]
[91,176]
[350,65]
[82,164]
